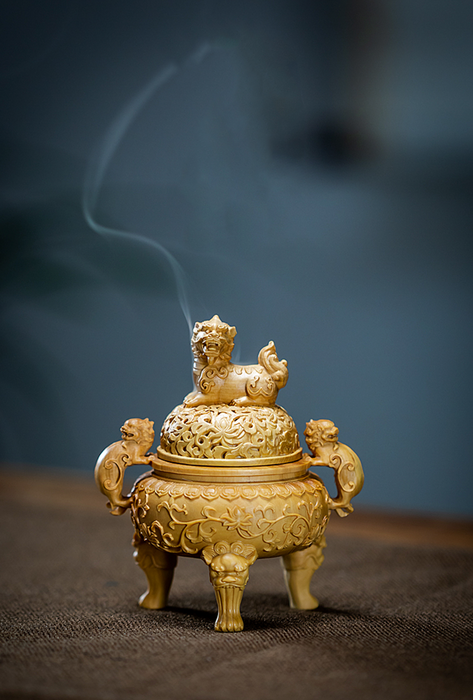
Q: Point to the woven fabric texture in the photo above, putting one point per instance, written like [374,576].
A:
[394,621]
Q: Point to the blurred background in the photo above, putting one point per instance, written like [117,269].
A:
[307,166]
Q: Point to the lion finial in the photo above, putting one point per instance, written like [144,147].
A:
[218,381]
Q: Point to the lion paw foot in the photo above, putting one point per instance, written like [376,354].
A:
[228,622]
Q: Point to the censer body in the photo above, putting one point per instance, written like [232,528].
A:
[229,482]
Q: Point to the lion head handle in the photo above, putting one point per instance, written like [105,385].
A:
[137,439]
[322,440]
[218,381]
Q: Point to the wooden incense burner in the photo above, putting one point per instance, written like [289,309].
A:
[229,482]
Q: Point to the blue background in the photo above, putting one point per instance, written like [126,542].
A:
[308,165]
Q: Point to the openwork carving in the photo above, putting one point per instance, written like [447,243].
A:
[229,432]
[219,381]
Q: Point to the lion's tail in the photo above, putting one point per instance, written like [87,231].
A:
[277,368]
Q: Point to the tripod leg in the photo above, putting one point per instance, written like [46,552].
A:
[299,568]
[158,566]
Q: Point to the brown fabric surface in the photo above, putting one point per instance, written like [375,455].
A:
[394,621]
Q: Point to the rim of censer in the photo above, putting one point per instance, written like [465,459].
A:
[257,474]
[242,463]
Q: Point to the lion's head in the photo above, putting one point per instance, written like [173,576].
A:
[139,430]
[213,339]
[319,433]
[229,563]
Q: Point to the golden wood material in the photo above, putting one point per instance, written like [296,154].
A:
[299,566]
[218,381]
[228,434]
[250,474]
[229,481]
[62,490]
[322,441]
[138,437]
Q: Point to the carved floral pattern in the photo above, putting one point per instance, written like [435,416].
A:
[229,432]
[273,517]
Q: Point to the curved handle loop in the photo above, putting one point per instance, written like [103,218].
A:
[138,438]
[322,440]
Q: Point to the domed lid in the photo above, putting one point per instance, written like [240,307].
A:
[230,418]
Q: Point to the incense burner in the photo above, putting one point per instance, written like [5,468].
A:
[229,482]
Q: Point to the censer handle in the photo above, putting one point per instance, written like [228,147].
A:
[138,437]
[322,441]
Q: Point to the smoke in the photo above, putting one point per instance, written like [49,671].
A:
[98,166]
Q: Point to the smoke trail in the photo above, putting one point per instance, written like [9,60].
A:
[97,169]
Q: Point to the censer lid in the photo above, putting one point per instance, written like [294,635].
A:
[230,419]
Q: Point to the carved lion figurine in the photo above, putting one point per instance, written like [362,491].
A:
[138,438]
[217,380]
[321,437]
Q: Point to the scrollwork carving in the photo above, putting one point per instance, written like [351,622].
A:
[162,487]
